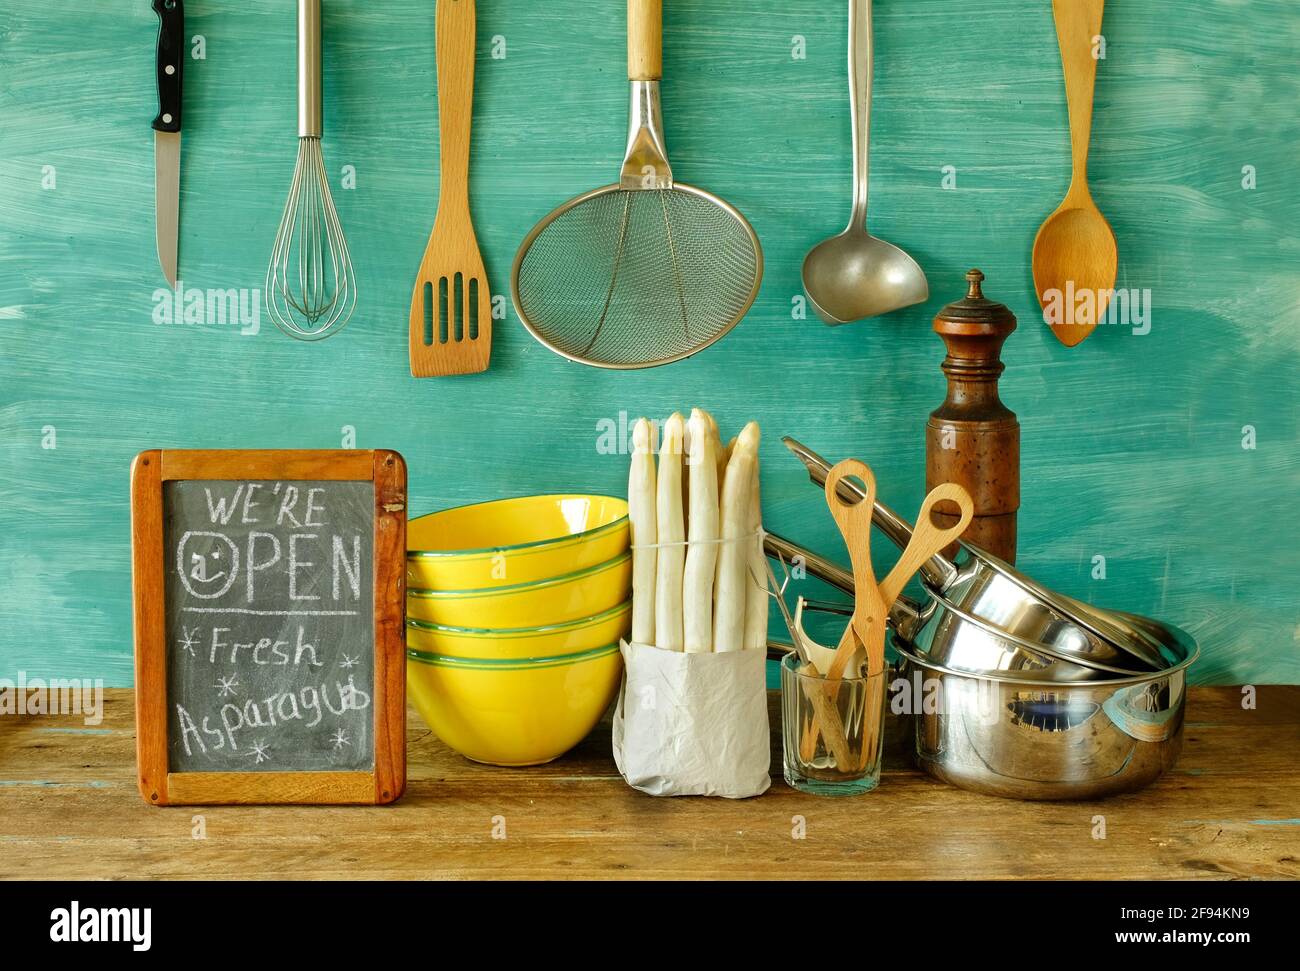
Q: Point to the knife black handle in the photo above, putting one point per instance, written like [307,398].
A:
[171,63]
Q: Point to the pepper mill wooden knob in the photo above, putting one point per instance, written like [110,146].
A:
[972,439]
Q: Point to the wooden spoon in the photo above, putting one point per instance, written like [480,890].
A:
[1075,254]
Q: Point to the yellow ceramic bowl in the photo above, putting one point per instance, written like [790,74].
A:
[512,541]
[572,637]
[513,712]
[540,603]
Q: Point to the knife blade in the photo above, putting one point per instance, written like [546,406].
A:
[170,64]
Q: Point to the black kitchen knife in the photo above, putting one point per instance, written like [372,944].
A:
[167,132]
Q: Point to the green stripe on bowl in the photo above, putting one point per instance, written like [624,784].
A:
[509,632]
[557,542]
[424,594]
[508,663]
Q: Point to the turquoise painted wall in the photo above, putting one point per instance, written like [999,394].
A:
[1132,445]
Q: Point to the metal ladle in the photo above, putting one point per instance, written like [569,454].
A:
[855,275]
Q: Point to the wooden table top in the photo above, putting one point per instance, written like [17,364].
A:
[69,808]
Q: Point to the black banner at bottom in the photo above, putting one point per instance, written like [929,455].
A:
[903,921]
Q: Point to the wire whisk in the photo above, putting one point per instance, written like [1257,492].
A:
[311,289]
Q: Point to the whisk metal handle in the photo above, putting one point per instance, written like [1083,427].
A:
[645,40]
[309,69]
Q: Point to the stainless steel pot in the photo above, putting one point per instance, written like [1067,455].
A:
[1025,739]
[987,588]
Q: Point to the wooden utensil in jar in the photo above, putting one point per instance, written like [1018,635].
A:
[865,634]
[866,628]
[854,522]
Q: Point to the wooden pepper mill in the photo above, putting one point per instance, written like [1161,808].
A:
[972,439]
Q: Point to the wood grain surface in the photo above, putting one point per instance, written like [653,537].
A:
[68,808]
[1132,445]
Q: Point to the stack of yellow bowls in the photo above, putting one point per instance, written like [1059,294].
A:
[514,613]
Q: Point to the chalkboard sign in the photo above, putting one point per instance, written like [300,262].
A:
[269,596]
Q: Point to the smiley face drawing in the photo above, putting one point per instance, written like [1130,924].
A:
[204,578]
[199,567]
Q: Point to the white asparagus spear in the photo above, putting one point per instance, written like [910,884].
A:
[702,551]
[671,530]
[733,551]
[757,600]
[641,513]
[724,456]
[685,452]
[721,452]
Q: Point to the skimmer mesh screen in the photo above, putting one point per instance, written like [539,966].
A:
[632,278]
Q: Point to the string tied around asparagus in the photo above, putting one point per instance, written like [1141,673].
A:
[760,534]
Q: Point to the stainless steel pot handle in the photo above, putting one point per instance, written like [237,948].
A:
[905,615]
[818,566]
[938,571]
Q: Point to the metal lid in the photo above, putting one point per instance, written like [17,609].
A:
[975,308]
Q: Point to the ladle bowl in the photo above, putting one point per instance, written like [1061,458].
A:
[855,275]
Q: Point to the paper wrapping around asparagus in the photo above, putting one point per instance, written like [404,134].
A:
[693,724]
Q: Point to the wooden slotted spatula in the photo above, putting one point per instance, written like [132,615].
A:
[927,540]
[451,307]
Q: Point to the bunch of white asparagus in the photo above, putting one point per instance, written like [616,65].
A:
[697,552]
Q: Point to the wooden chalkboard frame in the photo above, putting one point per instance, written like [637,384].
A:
[161,787]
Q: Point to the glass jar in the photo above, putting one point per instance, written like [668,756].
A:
[832,732]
